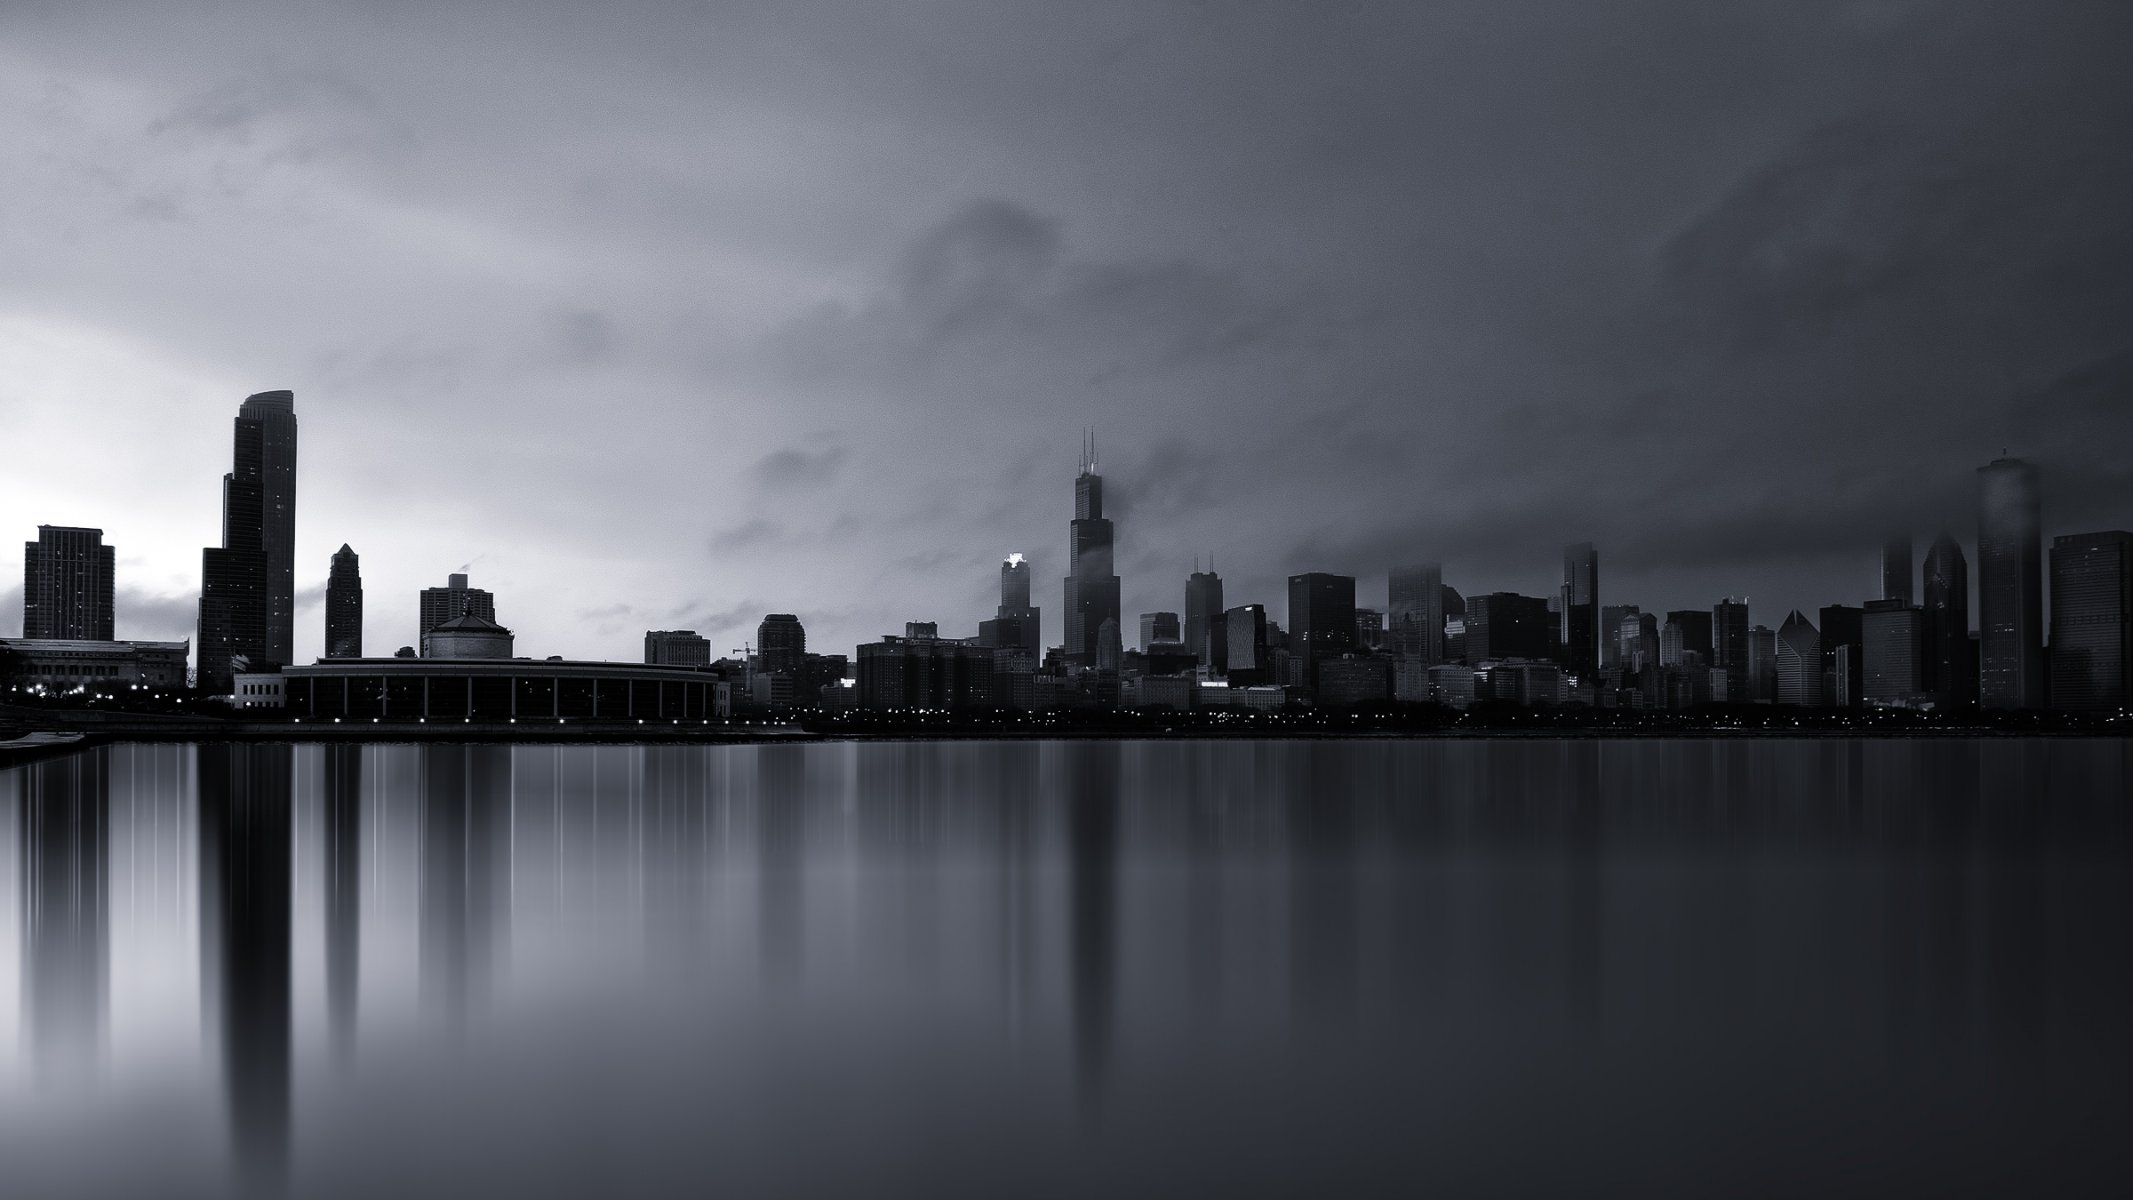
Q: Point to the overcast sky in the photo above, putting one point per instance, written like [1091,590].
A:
[661,316]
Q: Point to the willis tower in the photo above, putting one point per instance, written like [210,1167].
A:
[248,584]
[1091,588]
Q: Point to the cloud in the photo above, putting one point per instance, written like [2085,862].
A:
[754,532]
[793,468]
[153,617]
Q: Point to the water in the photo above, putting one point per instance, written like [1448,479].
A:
[1087,968]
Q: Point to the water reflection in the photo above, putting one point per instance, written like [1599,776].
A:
[1089,967]
[244,795]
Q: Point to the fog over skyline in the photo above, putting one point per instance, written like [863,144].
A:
[668,316]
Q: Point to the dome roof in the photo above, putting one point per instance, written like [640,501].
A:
[468,623]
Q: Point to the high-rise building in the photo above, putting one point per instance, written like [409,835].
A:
[1695,626]
[1670,645]
[275,416]
[2010,586]
[2092,620]
[1580,608]
[1091,588]
[1646,657]
[1762,677]
[454,599]
[676,647]
[780,644]
[1245,646]
[1892,638]
[1203,612]
[1507,625]
[344,606]
[1843,665]
[67,585]
[1159,627]
[1110,645]
[1730,644]
[1896,569]
[1799,662]
[1611,618]
[248,584]
[1022,625]
[1414,612]
[1321,616]
[1950,665]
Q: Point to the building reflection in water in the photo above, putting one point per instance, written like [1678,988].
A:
[780,833]
[465,875]
[673,803]
[64,836]
[1321,790]
[244,796]
[343,883]
[1093,780]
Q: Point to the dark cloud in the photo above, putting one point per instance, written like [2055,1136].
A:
[153,617]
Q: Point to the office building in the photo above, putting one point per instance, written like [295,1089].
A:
[1203,613]
[1321,617]
[1842,662]
[1159,627]
[1730,648]
[1611,646]
[1507,625]
[501,689]
[274,414]
[2010,586]
[1579,606]
[1244,646]
[676,648]
[1353,679]
[1760,680]
[2092,621]
[1091,587]
[454,599]
[1892,638]
[780,645]
[344,605]
[1018,624]
[1695,625]
[898,673]
[247,585]
[1950,665]
[233,615]
[1369,629]
[67,585]
[1896,569]
[1110,645]
[1799,662]
[1414,612]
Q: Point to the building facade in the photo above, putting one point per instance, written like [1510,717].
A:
[676,648]
[1091,585]
[1799,662]
[2010,586]
[1203,613]
[454,599]
[508,690]
[1731,647]
[1414,612]
[1321,617]
[1892,638]
[781,645]
[344,605]
[1579,606]
[1896,569]
[67,585]
[2092,621]
[71,662]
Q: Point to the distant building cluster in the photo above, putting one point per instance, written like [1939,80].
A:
[1915,645]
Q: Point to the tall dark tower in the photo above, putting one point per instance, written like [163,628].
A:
[66,585]
[1949,674]
[1091,588]
[1015,605]
[2010,586]
[1896,569]
[344,606]
[1730,646]
[1204,612]
[1581,608]
[2092,620]
[1414,611]
[275,413]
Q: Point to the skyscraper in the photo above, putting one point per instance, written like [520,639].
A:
[1507,625]
[1158,627]
[676,647]
[1321,616]
[1091,588]
[1892,638]
[274,414]
[781,644]
[67,585]
[2010,586]
[1017,625]
[1843,663]
[1896,569]
[1762,666]
[2092,620]
[1581,608]
[1695,626]
[1799,662]
[1414,611]
[1730,647]
[1244,649]
[1949,672]
[247,585]
[450,602]
[344,606]
[1204,613]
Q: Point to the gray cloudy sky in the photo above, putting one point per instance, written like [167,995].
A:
[672,315]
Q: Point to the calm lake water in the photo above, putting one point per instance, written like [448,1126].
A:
[1088,968]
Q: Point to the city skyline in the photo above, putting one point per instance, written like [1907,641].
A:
[1725,317]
